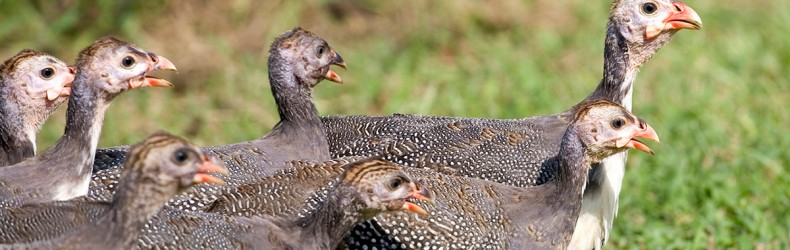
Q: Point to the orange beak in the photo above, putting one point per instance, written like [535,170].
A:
[156,63]
[682,17]
[331,75]
[645,132]
[209,166]
[421,193]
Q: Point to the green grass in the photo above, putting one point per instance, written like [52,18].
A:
[718,97]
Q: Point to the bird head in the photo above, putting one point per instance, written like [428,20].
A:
[173,163]
[606,128]
[121,66]
[308,56]
[383,186]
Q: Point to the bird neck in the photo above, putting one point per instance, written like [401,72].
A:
[618,70]
[299,120]
[84,118]
[573,166]
[293,98]
[136,201]
[334,217]
[16,143]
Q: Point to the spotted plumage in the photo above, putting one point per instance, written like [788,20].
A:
[516,151]
[471,213]
[158,168]
[105,69]
[32,86]
[298,61]
[279,213]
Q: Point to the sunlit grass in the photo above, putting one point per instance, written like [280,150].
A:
[717,97]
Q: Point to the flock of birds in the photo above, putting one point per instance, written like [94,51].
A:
[357,182]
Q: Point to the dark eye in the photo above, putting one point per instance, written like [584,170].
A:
[320,50]
[395,183]
[181,156]
[618,123]
[649,8]
[127,62]
[47,73]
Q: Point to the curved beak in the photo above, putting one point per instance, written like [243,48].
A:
[681,17]
[162,63]
[684,18]
[209,166]
[331,75]
[418,192]
[156,63]
[645,131]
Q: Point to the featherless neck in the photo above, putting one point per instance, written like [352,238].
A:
[292,97]
[572,170]
[86,108]
[84,118]
[618,77]
[11,133]
[10,141]
[333,217]
[12,128]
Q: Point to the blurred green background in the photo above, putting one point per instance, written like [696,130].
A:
[718,97]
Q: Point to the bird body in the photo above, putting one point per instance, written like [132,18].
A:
[518,151]
[471,213]
[262,215]
[32,86]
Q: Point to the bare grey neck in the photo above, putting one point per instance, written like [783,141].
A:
[299,125]
[293,99]
[617,82]
[84,118]
[16,144]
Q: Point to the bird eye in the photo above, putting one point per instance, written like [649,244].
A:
[127,62]
[320,50]
[618,123]
[181,156]
[649,8]
[47,73]
[395,183]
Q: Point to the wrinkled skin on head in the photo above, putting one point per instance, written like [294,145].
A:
[121,66]
[299,45]
[36,84]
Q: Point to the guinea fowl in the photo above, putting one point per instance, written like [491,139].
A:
[159,167]
[32,86]
[471,213]
[344,195]
[105,69]
[298,61]
[517,151]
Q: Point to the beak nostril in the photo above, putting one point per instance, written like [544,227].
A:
[679,6]
[153,57]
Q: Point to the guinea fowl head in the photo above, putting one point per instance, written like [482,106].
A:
[37,81]
[606,128]
[308,55]
[649,24]
[383,186]
[172,163]
[118,66]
